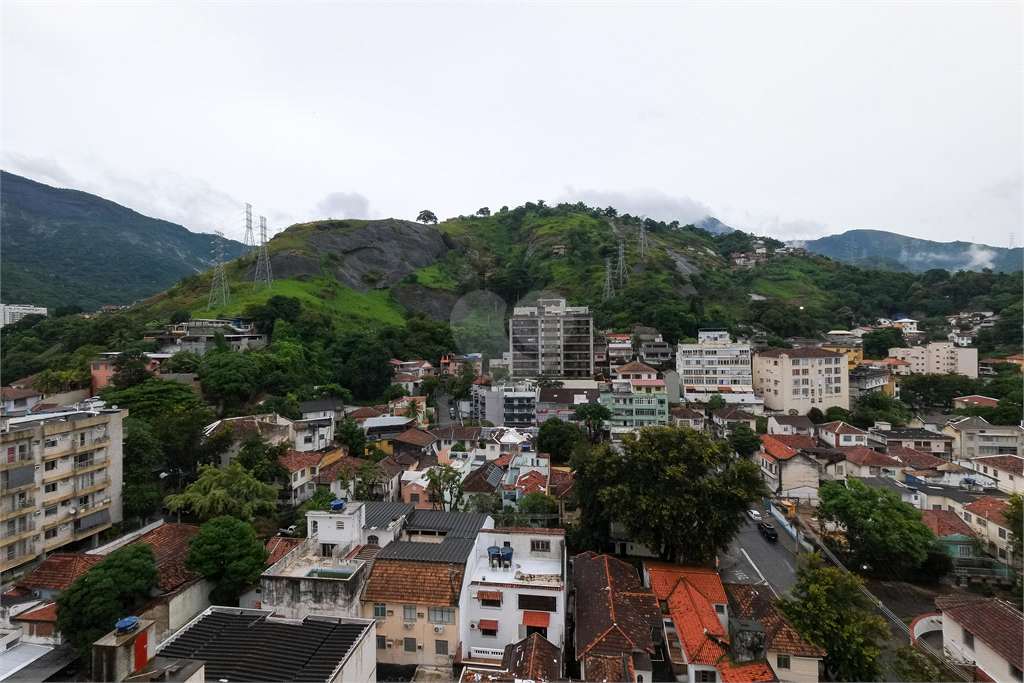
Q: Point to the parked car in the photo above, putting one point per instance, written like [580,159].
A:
[768,531]
[754,515]
[287,532]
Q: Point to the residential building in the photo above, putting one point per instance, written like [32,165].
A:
[789,654]
[103,370]
[466,437]
[686,417]
[303,469]
[791,424]
[974,401]
[715,366]
[1007,470]
[835,434]
[60,481]
[987,520]
[860,461]
[551,339]
[636,399]
[657,352]
[12,313]
[382,431]
[985,632]
[519,408]
[514,588]
[528,472]
[618,621]
[939,358]
[789,471]
[792,381]
[562,402]
[18,401]
[951,531]
[533,658]
[865,379]
[849,345]
[974,436]
[305,436]
[200,335]
[908,493]
[724,419]
[451,363]
[332,409]
[939,445]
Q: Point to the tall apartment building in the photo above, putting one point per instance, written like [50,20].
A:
[12,313]
[552,339]
[60,481]
[800,379]
[715,366]
[939,358]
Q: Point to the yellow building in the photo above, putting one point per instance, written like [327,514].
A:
[854,353]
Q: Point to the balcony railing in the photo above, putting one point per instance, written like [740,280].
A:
[16,551]
[18,505]
[19,529]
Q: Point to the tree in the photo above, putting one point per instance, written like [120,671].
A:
[938,391]
[592,415]
[230,491]
[816,416]
[444,486]
[182,361]
[831,612]
[876,406]
[154,398]
[227,552]
[548,383]
[1014,516]
[459,385]
[715,403]
[538,503]
[428,388]
[285,406]
[878,343]
[349,433]
[744,440]
[558,439]
[47,382]
[426,216]
[499,374]
[131,368]
[263,459]
[882,531]
[182,434]
[837,414]
[229,379]
[394,391]
[141,454]
[485,212]
[369,476]
[109,591]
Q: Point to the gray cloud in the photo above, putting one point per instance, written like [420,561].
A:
[344,205]
[47,171]
[651,203]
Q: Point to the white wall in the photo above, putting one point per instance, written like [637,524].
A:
[982,655]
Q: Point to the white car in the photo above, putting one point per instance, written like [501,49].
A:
[754,515]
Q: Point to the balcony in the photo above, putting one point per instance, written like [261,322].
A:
[18,530]
[14,462]
[18,553]
[15,505]
[89,445]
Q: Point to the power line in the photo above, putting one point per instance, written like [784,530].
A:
[622,272]
[264,276]
[249,241]
[220,292]
[609,289]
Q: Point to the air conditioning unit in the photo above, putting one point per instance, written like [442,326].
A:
[472,624]
[37,468]
[419,646]
[65,527]
[439,628]
[106,500]
[408,624]
[36,537]
[38,512]
[391,643]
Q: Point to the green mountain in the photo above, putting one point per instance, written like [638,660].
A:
[917,255]
[65,247]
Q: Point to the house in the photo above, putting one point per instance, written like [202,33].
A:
[864,462]
[908,493]
[332,409]
[562,402]
[974,436]
[200,335]
[835,434]
[1007,470]
[951,531]
[414,407]
[414,442]
[686,417]
[618,622]
[974,401]
[447,437]
[484,480]
[939,445]
[533,658]
[939,358]
[789,471]
[913,459]
[528,472]
[390,488]
[56,574]
[303,469]
[724,419]
[381,431]
[360,415]
[700,640]
[103,370]
[561,488]
[788,653]
[985,632]
[272,428]
[986,517]
[866,379]
[790,424]
[415,487]
[340,475]
[15,400]
[514,588]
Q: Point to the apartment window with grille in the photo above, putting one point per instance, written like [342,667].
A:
[50,488]
[50,466]
[410,612]
[51,510]
[441,615]
[440,647]
[1002,532]
[382,642]
[968,639]
[704,676]
[50,533]
[540,546]
[410,645]
[967,517]
[537,603]
[782,661]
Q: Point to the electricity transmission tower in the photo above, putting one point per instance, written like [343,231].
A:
[643,240]
[220,293]
[249,241]
[609,289]
[263,274]
[622,273]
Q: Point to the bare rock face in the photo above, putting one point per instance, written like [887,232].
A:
[419,299]
[289,264]
[380,253]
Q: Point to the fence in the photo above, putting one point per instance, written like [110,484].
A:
[785,524]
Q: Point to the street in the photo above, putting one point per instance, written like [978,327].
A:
[443,411]
[752,559]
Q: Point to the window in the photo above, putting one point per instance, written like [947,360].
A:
[372,540]
[50,466]
[839,469]
[967,516]
[50,488]
[936,507]
[308,439]
[1002,532]
[781,661]
[720,609]
[540,546]
[441,615]
[489,632]
[704,676]
[410,645]
[51,510]
[51,443]
[380,610]
[382,642]
[1002,553]
[295,476]
[964,551]
[440,647]
[982,522]
[414,497]
[490,603]
[968,639]
[410,612]
[1016,673]
[50,533]
[537,603]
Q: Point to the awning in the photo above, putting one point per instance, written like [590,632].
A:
[489,595]
[488,624]
[95,519]
[540,619]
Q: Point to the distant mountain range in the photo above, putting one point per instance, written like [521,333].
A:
[63,247]
[889,251]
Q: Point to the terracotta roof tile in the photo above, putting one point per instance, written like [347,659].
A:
[484,479]
[976,400]
[757,603]
[635,367]
[58,572]
[945,523]
[457,433]
[601,606]
[360,414]
[416,437]
[988,508]
[170,548]
[533,658]
[864,456]
[681,413]
[690,592]
[12,393]
[992,621]
[796,441]
[733,414]
[532,482]
[840,427]
[745,672]
[297,460]
[391,467]
[910,457]
[1013,464]
[279,546]
[48,612]
[607,668]
[328,473]
[419,583]
[776,449]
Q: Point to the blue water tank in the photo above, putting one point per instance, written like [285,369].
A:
[506,555]
[493,551]
[526,448]
[338,505]
[127,624]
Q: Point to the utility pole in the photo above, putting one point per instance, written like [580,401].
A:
[264,276]
[609,289]
[220,293]
[249,241]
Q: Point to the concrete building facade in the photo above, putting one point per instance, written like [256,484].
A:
[552,339]
[939,358]
[792,381]
[715,366]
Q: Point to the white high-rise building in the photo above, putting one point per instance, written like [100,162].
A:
[12,313]
[715,366]
[939,358]
[551,339]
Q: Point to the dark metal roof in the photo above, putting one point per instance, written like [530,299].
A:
[247,645]
[335,404]
[455,524]
[451,549]
[378,514]
[911,433]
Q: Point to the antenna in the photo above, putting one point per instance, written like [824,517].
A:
[249,241]
[264,276]
[220,293]
[622,273]
[609,289]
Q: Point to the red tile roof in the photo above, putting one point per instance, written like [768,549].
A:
[1014,464]
[895,361]
[776,449]
[360,414]
[48,612]
[58,572]
[690,592]
[745,672]
[864,456]
[945,523]
[391,467]
[911,457]
[733,415]
[614,612]
[328,473]
[534,658]
[170,548]
[12,393]
[296,460]
[532,482]
[796,441]
[606,668]
[279,546]
[533,531]
[416,437]
[976,400]
[992,621]
[757,603]
[840,428]
[503,461]
[457,433]
[419,583]
[636,367]
[682,413]
[989,508]
[404,377]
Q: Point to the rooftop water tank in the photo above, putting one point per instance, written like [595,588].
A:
[126,625]
[337,505]
[493,551]
[526,447]
[506,555]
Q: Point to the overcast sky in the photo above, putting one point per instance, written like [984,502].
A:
[790,120]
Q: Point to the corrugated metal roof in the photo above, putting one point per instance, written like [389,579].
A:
[449,550]
[456,524]
[378,514]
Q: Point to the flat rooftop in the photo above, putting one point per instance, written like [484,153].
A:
[525,571]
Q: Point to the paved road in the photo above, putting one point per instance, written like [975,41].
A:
[752,559]
[443,415]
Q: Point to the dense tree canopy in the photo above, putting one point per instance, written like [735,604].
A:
[153,398]
[592,416]
[558,439]
[878,343]
[227,552]
[230,491]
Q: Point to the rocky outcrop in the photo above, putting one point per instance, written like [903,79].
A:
[419,299]
[289,264]
[380,253]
